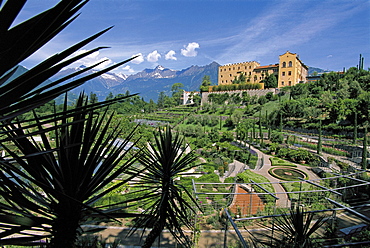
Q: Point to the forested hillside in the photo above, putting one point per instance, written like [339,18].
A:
[339,100]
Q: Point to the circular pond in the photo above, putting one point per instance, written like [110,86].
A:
[287,174]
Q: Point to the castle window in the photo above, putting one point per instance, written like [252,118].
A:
[250,73]
[284,64]
[282,83]
[290,83]
[283,73]
[250,67]
[231,75]
[229,69]
[222,75]
[289,73]
[290,64]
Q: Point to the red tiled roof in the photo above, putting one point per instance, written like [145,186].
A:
[266,66]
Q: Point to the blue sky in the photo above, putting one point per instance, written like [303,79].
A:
[177,33]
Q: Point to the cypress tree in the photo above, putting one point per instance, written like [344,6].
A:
[364,150]
[355,129]
[260,127]
[253,131]
[281,122]
[319,142]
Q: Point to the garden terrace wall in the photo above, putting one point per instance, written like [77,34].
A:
[257,92]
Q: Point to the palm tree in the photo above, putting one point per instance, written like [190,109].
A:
[294,230]
[54,187]
[165,199]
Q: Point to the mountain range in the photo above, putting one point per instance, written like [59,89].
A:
[148,83]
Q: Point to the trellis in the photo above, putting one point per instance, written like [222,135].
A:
[331,196]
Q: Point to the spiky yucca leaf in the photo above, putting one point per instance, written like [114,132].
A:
[53,187]
[294,230]
[164,199]
[28,91]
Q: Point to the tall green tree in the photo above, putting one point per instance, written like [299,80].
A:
[161,99]
[364,150]
[319,142]
[206,82]
[177,92]
[93,98]
[270,81]
[355,128]
[260,127]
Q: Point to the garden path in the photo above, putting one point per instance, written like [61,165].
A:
[263,169]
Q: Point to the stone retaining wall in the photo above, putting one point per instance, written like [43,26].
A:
[256,92]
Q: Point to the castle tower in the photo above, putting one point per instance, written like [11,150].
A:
[291,70]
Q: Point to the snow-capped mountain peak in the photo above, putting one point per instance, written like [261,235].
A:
[159,67]
[121,75]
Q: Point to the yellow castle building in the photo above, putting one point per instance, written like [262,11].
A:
[289,71]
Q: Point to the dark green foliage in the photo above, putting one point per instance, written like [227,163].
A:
[319,142]
[229,123]
[270,81]
[65,179]
[295,229]
[298,155]
[227,136]
[262,100]
[206,82]
[165,206]
[335,98]
[355,129]
[230,87]
[277,137]
[364,151]
[51,186]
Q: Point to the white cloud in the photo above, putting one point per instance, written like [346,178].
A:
[128,69]
[93,59]
[189,50]
[139,59]
[153,56]
[170,55]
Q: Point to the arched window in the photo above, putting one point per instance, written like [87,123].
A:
[290,64]
[284,64]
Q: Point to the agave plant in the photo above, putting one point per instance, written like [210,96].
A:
[50,189]
[295,230]
[164,200]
